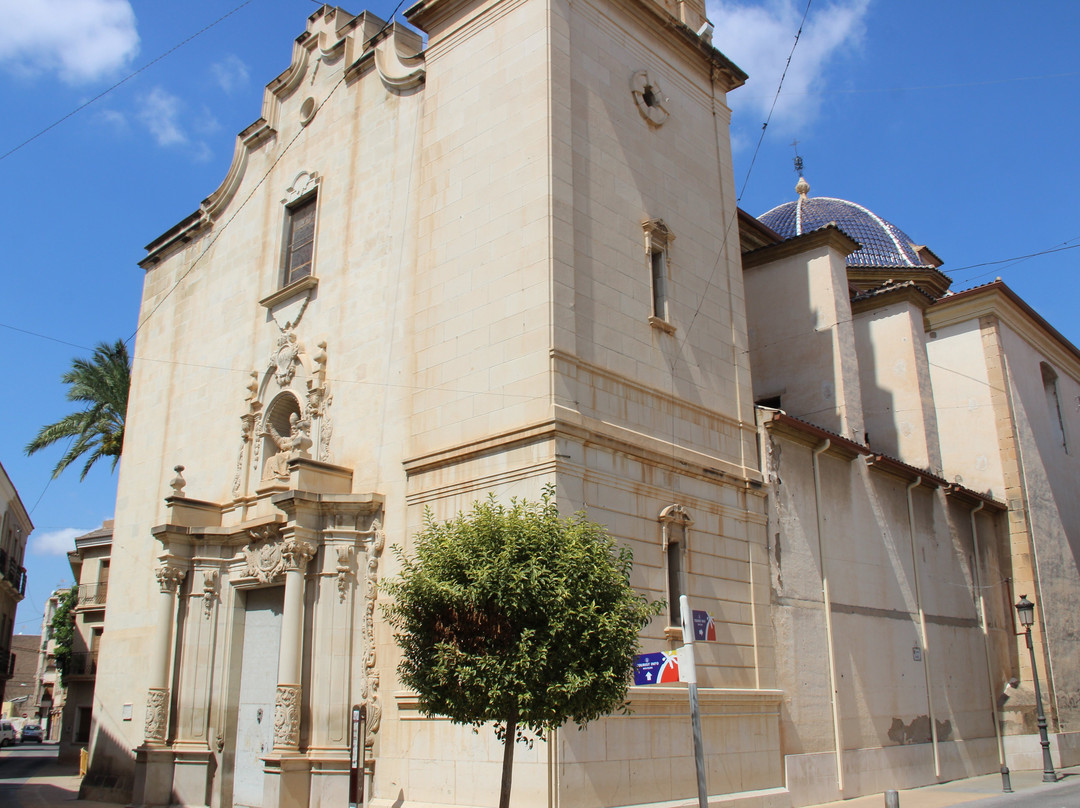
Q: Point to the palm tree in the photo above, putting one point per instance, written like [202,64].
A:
[102,385]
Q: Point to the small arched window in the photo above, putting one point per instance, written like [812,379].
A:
[675,525]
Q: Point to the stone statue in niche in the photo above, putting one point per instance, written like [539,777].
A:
[295,444]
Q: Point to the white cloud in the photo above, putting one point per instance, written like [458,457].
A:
[230,73]
[114,119]
[79,40]
[758,39]
[159,111]
[55,542]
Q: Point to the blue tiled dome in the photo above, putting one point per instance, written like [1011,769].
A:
[883,243]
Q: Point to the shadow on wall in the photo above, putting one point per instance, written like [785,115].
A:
[110,777]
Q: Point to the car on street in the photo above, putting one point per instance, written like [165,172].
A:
[31,732]
[8,735]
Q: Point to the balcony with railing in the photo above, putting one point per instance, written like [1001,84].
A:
[92,595]
[12,574]
[82,665]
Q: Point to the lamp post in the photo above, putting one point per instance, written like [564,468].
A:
[1026,610]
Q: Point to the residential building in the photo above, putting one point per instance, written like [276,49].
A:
[90,568]
[15,527]
[504,258]
[20,704]
[51,693]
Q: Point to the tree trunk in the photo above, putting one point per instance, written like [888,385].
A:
[509,742]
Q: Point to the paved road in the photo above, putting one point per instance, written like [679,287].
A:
[30,777]
[1065,794]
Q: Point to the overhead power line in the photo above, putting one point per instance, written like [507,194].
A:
[122,81]
[776,98]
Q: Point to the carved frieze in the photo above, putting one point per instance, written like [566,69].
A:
[287,717]
[157,715]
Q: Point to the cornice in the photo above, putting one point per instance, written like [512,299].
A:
[900,293]
[432,16]
[830,236]
[999,300]
[931,280]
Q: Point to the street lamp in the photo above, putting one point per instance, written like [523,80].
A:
[1026,610]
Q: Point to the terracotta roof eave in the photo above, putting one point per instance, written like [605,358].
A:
[851,449]
[958,491]
[902,469]
[761,235]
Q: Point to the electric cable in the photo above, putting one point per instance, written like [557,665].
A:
[122,81]
[776,97]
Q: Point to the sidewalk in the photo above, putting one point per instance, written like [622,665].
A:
[959,792]
[56,786]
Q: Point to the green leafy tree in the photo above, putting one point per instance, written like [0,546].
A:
[517,616]
[62,632]
[101,384]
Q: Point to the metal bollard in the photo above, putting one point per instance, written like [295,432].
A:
[892,799]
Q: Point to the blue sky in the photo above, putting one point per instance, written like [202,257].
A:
[956,121]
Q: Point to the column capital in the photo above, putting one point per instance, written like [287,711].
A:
[169,578]
[296,553]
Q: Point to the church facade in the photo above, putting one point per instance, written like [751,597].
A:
[505,259]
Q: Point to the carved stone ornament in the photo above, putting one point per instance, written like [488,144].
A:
[178,482]
[345,556]
[169,578]
[369,689]
[296,553]
[283,358]
[287,717]
[263,554]
[157,715]
[210,592]
[649,98]
[264,562]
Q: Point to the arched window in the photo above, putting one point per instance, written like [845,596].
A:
[675,525]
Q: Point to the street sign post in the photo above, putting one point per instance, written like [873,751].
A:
[358,732]
[688,674]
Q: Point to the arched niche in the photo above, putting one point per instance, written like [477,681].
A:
[276,431]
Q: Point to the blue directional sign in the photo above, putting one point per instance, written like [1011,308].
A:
[704,627]
[658,668]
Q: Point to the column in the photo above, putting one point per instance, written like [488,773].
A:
[296,554]
[157,697]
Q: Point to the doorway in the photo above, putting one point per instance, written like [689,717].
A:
[258,687]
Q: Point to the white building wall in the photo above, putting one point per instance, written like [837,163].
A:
[965,410]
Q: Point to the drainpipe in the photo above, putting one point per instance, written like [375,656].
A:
[986,634]
[827,600]
[922,627]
